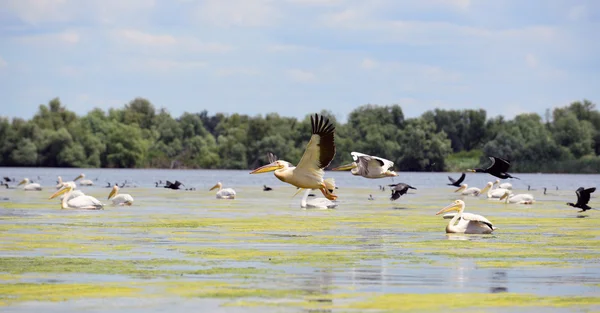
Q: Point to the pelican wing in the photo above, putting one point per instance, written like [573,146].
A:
[373,161]
[84,202]
[477,218]
[321,147]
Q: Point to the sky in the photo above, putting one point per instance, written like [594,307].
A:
[296,57]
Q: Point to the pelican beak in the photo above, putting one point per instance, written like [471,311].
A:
[451,207]
[461,188]
[345,167]
[78,177]
[22,182]
[266,168]
[216,186]
[112,192]
[485,189]
[60,192]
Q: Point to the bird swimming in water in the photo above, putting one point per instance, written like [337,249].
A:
[468,223]
[399,190]
[371,197]
[267,188]
[583,197]
[456,182]
[498,168]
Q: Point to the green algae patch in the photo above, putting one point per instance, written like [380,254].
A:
[21,292]
[439,302]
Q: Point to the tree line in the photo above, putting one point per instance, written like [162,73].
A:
[138,135]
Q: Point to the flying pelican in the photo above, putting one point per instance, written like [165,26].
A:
[84,182]
[61,184]
[119,198]
[456,182]
[368,166]
[583,197]
[81,202]
[503,185]
[399,190]
[226,193]
[523,198]
[29,186]
[468,223]
[498,168]
[317,156]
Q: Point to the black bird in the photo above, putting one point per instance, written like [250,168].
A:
[107,185]
[174,185]
[529,189]
[583,197]
[371,197]
[456,182]
[267,188]
[7,179]
[498,168]
[399,190]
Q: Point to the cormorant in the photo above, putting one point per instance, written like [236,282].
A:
[498,168]
[399,190]
[267,188]
[583,197]
[456,182]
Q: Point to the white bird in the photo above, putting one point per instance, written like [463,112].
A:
[319,203]
[495,193]
[119,198]
[503,185]
[468,223]
[226,193]
[81,202]
[317,156]
[466,191]
[368,166]
[30,186]
[84,182]
[62,184]
[73,194]
[523,198]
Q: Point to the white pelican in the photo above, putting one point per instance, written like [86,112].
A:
[523,198]
[368,166]
[226,193]
[473,191]
[120,198]
[317,156]
[83,182]
[468,223]
[495,193]
[73,194]
[319,203]
[30,186]
[503,185]
[81,202]
[62,184]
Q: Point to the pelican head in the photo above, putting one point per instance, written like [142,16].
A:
[25,181]
[79,177]
[461,188]
[218,185]
[63,190]
[457,205]
[113,192]
[277,165]
[497,182]
[505,195]
[347,167]
[487,187]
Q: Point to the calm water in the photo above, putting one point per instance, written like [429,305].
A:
[263,240]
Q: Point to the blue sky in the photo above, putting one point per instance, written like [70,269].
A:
[295,57]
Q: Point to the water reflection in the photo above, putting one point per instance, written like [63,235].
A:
[499,282]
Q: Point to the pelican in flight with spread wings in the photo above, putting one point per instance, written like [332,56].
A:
[308,174]
[82,202]
[224,193]
[83,182]
[498,168]
[468,223]
[368,166]
[30,186]
[119,198]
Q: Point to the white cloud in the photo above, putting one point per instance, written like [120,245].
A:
[134,38]
[3,63]
[301,75]
[240,13]
[531,60]
[237,71]
[578,13]
[164,64]
[67,36]
[368,64]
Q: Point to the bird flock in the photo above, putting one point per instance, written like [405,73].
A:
[309,174]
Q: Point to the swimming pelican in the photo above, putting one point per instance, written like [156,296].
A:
[81,202]
[583,197]
[468,223]
[473,191]
[83,182]
[317,156]
[61,184]
[498,168]
[72,195]
[226,193]
[523,198]
[503,185]
[494,193]
[29,186]
[119,198]
[368,166]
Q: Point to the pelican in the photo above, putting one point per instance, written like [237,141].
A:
[119,198]
[29,186]
[494,193]
[498,168]
[81,202]
[503,185]
[72,195]
[83,182]
[523,198]
[368,166]
[466,191]
[468,223]
[61,184]
[226,193]
[317,156]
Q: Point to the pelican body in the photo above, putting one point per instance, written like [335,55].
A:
[119,198]
[82,202]
[317,156]
[523,198]
[224,193]
[72,195]
[473,191]
[468,223]
[30,186]
[503,185]
[84,182]
[368,166]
